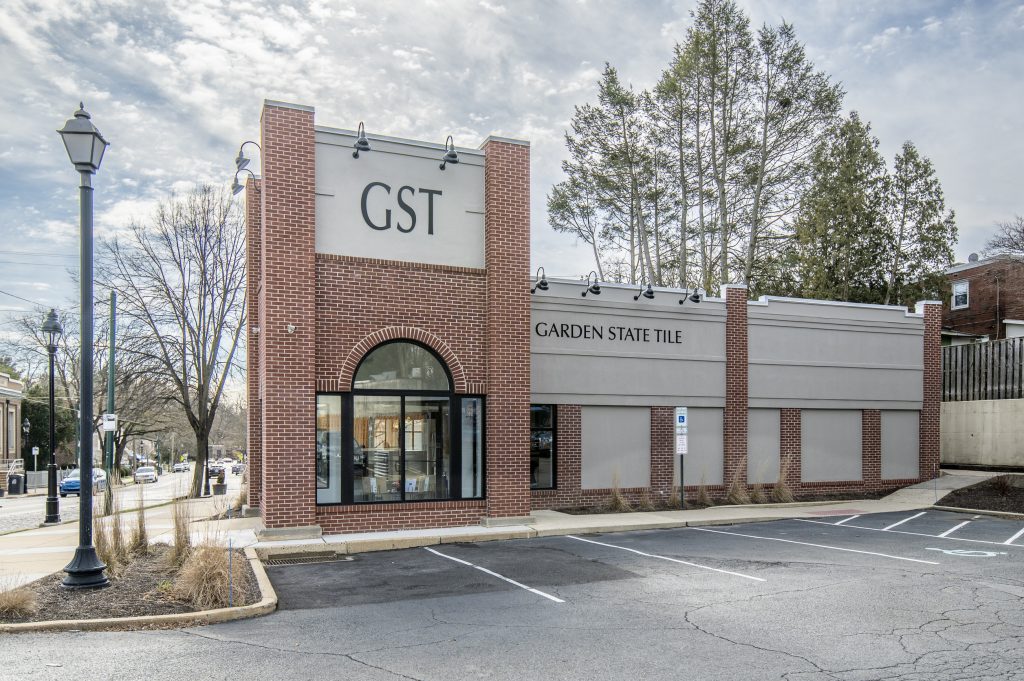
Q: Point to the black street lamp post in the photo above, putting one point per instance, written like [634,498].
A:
[85,146]
[26,426]
[52,331]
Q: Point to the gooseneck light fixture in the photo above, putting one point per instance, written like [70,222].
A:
[241,161]
[237,186]
[693,298]
[362,144]
[450,155]
[85,146]
[542,281]
[592,285]
[648,293]
[52,331]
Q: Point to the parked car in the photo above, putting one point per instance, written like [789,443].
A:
[73,483]
[237,468]
[214,469]
[145,474]
[181,467]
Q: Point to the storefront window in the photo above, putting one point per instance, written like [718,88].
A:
[403,434]
[542,446]
[328,449]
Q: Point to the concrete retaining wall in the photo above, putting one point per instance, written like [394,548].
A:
[983,433]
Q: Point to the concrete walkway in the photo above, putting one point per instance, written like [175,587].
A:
[29,555]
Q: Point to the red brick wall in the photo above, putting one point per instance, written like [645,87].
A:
[995,293]
[871,448]
[663,451]
[254,447]
[790,438]
[507,219]
[286,362]
[932,379]
[736,404]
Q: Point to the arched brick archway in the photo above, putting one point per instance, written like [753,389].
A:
[403,333]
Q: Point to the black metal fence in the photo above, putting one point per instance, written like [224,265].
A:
[983,371]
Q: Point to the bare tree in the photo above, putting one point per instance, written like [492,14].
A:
[1008,239]
[181,278]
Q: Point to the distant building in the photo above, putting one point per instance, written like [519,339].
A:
[986,301]
[10,425]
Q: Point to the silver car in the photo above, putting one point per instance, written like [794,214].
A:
[145,474]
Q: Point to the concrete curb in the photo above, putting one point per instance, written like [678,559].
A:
[998,514]
[266,605]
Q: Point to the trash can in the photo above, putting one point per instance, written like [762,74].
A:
[15,484]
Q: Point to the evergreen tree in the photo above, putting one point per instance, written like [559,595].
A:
[841,228]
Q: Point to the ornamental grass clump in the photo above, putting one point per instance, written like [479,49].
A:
[617,503]
[781,494]
[737,493]
[17,603]
[211,578]
[182,545]
[139,544]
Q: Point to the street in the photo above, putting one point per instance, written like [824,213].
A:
[903,596]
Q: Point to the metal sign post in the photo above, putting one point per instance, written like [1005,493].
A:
[681,447]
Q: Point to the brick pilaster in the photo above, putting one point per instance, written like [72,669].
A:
[507,223]
[663,451]
[286,301]
[871,448]
[789,447]
[931,388]
[254,432]
[736,403]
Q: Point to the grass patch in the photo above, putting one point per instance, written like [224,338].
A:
[17,603]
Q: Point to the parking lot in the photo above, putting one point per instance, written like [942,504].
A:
[911,595]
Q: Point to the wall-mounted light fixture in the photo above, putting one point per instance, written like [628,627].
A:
[237,186]
[450,155]
[290,328]
[241,161]
[592,285]
[693,298]
[362,144]
[255,330]
[542,281]
[648,294]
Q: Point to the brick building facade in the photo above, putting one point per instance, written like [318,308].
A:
[987,298]
[390,386]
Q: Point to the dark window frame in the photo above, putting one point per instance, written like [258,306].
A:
[454,429]
[554,445]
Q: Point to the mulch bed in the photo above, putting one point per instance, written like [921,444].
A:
[142,588]
[1006,496]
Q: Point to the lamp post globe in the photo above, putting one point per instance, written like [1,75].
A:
[85,146]
[52,331]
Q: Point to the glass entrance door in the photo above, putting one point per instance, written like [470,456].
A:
[427,448]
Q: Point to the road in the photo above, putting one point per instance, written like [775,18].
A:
[28,511]
[895,596]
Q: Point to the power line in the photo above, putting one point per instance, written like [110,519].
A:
[14,295]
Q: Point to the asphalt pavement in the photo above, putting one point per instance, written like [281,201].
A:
[930,596]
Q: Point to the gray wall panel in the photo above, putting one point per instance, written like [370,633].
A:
[830,442]
[763,445]
[705,459]
[900,450]
[616,440]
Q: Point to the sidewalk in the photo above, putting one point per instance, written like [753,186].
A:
[31,554]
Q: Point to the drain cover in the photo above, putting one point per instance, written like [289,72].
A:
[304,558]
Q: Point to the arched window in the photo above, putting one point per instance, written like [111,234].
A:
[391,438]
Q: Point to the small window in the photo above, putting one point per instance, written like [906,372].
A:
[401,366]
[961,297]
[542,446]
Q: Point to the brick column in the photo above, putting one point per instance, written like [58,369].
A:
[736,403]
[663,450]
[931,388]
[789,447]
[288,271]
[254,432]
[871,448]
[507,221]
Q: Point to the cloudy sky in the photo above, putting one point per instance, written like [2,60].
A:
[176,86]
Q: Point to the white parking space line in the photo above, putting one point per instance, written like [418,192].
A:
[953,529]
[820,546]
[846,520]
[671,560]
[916,534]
[1015,537]
[897,524]
[495,574]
